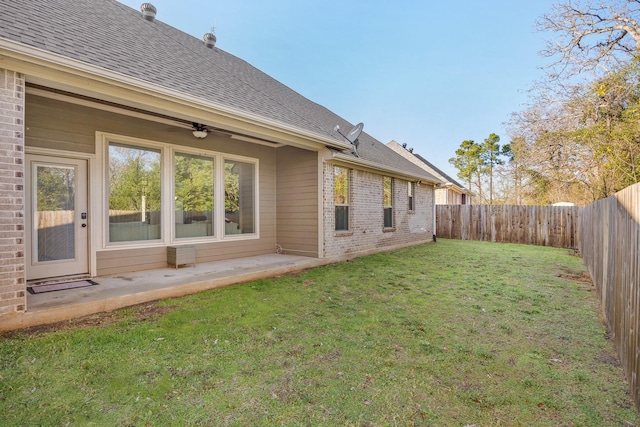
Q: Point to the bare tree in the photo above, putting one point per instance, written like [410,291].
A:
[579,138]
[552,166]
[591,34]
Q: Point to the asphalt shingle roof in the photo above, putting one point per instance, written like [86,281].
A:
[443,175]
[115,37]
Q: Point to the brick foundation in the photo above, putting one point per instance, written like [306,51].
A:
[12,234]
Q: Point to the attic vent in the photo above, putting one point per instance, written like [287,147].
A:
[148,11]
[209,40]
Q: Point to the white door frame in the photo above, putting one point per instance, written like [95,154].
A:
[48,155]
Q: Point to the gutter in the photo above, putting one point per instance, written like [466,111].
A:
[462,190]
[39,57]
[345,158]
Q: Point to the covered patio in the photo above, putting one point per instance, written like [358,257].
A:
[123,290]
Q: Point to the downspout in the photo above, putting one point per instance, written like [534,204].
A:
[433,194]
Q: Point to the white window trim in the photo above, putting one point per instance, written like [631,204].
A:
[219,201]
[207,154]
[167,204]
[390,206]
[411,195]
[348,205]
[102,152]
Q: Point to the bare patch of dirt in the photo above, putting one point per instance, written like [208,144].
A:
[146,312]
[576,276]
[608,359]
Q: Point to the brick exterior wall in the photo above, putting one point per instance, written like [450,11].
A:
[12,270]
[366,218]
[447,196]
[441,196]
[444,196]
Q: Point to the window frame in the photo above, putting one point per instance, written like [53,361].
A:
[387,196]
[175,151]
[342,205]
[411,196]
[221,200]
[167,193]
[105,223]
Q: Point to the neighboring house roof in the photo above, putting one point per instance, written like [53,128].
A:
[430,167]
[115,37]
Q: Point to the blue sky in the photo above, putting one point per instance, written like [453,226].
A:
[426,73]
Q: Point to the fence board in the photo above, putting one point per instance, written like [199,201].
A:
[609,239]
[533,225]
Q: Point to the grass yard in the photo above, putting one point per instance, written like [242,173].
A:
[447,334]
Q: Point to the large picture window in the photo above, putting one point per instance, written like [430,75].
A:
[160,194]
[193,201]
[239,197]
[341,197]
[387,201]
[134,193]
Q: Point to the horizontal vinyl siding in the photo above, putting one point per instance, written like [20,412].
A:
[63,126]
[59,125]
[300,186]
[232,249]
[300,214]
[131,260]
[128,260]
[297,201]
[301,231]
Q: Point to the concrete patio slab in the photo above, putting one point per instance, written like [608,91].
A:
[124,290]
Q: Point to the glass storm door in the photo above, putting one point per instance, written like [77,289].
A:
[56,217]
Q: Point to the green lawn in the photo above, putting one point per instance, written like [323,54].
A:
[447,334]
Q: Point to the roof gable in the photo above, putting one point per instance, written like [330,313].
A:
[425,164]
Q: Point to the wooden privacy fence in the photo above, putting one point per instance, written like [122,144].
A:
[609,242]
[534,225]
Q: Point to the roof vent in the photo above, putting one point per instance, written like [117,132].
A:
[209,40]
[148,11]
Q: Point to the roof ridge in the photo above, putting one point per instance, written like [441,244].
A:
[438,170]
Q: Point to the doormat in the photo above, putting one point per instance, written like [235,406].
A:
[40,289]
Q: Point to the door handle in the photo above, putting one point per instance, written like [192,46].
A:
[84,225]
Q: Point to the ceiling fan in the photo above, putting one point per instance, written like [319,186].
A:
[200,131]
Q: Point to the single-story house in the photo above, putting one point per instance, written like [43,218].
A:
[122,137]
[449,191]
